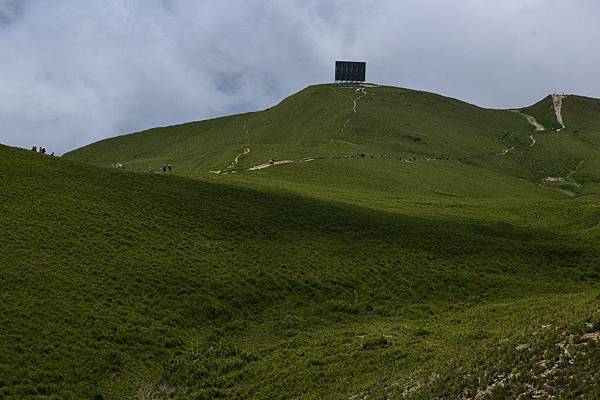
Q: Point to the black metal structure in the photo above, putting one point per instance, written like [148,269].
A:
[350,71]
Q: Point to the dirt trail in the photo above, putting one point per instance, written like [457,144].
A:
[267,165]
[532,121]
[538,127]
[506,151]
[270,164]
[532,141]
[363,93]
[232,165]
[237,158]
[557,102]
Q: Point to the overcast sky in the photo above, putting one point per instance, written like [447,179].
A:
[76,71]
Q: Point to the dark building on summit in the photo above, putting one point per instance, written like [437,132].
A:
[350,71]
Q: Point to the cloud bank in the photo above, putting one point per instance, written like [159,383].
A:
[73,72]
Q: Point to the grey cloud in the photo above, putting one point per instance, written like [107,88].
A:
[73,72]
[10,11]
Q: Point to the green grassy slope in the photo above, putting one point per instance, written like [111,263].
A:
[441,264]
[415,144]
[581,116]
[543,111]
[124,284]
[319,121]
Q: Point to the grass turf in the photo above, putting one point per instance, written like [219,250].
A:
[336,278]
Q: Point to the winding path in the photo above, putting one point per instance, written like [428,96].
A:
[232,165]
[364,93]
[532,121]
[237,158]
[557,103]
[354,106]
[532,141]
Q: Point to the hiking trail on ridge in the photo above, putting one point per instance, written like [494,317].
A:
[557,103]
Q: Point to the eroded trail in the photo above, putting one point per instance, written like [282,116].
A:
[270,164]
[273,163]
[532,141]
[506,151]
[233,164]
[363,93]
[532,121]
[237,158]
[538,127]
[557,102]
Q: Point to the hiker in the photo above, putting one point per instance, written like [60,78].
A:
[52,155]
[43,150]
[34,148]
[164,169]
[169,166]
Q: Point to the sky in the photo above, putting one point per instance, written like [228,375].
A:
[76,71]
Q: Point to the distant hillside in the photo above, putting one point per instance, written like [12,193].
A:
[382,140]
[117,284]
[321,121]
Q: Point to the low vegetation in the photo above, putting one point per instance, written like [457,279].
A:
[442,270]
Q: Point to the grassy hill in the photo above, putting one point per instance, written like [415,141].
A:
[439,265]
[414,143]
[116,283]
[320,122]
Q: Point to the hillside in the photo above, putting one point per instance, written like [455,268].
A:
[321,121]
[383,142]
[117,283]
[401,245]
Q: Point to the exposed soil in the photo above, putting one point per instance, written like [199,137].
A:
[363,93]
[267,165]
[533,121]
[557,102]
[237,158]
[506,151]
[532,141]
[232,165]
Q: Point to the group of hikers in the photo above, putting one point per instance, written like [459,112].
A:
[164,168]
[41,150]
